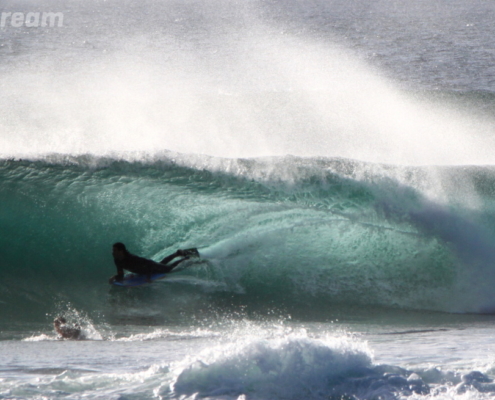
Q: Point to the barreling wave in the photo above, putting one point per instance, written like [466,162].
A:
[282,233]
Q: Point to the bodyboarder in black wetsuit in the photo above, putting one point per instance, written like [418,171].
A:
[140,265]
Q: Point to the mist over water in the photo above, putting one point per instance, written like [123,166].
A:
[229,80]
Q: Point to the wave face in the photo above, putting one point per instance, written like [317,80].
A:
[282,233]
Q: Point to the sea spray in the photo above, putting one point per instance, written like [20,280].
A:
[260,87]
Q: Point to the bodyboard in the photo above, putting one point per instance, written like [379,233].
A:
[131,280]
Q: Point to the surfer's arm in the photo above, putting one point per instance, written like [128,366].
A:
[120,272]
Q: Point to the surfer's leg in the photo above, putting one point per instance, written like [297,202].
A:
[173,265]
[181,253]
[169,258]
[168,268]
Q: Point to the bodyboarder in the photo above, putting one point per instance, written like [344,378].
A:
[124,260]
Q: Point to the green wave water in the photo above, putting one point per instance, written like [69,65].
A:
[295,235]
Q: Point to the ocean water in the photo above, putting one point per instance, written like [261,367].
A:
[332,161]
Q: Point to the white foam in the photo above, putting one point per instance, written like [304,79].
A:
[290,367]
[40,338]
[166,333]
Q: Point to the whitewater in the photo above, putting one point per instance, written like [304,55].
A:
[332,161]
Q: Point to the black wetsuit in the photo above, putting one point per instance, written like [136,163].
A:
[144,266]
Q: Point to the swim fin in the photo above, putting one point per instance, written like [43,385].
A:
[193,252]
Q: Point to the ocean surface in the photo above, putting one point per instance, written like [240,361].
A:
[333,161]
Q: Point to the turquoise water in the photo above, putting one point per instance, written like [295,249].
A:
[310,234]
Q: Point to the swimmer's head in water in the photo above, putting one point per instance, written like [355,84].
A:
[59,321]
